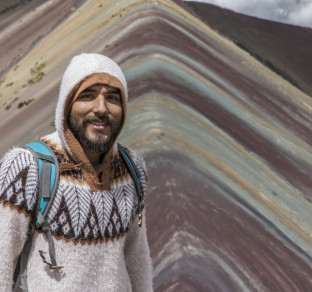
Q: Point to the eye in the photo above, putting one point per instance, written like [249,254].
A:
[86,97]
[114,99]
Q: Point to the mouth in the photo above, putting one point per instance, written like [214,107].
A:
[98,125]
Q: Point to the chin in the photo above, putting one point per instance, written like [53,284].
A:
[98,138]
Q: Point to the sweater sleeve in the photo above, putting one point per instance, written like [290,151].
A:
[18,185]
[137,257]
[137,253]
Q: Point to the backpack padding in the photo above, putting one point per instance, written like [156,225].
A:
[47,162]
[134,173]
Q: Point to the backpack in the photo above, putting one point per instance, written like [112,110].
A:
[48,167]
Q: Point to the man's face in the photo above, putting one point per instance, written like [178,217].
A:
[96,117]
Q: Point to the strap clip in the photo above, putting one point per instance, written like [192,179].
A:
[140,219]
[41,252]
[56,267]
[31,229]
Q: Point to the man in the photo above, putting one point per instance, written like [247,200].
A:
[93,217]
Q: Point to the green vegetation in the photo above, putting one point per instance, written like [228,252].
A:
[27,102]
[9,84]
[36,73]
[106,47]
[20,105]
[17,57]
[11,103]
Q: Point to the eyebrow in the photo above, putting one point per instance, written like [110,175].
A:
[89,90]
[113,91]
[110,91]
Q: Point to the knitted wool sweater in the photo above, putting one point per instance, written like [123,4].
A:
[93,218]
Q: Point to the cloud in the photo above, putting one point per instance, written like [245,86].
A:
[302,15]
[297,12]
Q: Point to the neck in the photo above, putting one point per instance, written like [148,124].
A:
[93,157]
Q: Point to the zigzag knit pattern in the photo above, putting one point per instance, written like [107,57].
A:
[18,180]
[80,214]
[76,213]
[85,216]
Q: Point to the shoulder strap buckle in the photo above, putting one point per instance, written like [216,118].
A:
[31,229]
[140,219]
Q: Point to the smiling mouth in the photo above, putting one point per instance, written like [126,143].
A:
[99,125]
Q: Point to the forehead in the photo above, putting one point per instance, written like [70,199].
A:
[99,87]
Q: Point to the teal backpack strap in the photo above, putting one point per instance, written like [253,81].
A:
[48,173]
[136,178]
[48,170]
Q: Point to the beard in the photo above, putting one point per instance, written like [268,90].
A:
[100,143]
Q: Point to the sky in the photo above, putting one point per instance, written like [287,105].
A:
[297,12]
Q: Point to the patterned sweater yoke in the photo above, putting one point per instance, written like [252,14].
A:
[83,215]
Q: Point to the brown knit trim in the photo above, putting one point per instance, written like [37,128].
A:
[87,241]
[67,168]
[122,179]
[16,208]
[56,147]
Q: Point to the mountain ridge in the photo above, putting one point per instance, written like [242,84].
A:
[284,48]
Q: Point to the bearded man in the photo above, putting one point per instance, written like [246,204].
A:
[93,216]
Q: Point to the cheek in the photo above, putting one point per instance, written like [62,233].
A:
[77,113]
[75,121]
[81,109]
[116,112]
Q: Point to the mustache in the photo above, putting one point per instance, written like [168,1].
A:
[104,119]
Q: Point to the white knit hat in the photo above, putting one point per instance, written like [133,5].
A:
[81,67]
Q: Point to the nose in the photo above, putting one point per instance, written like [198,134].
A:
[100,106]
